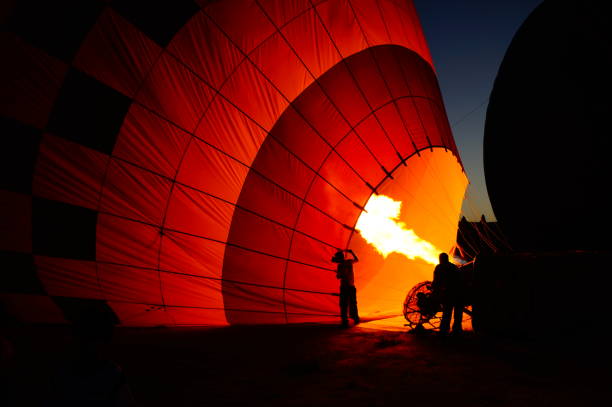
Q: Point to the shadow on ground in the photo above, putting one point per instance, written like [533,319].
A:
[325,366]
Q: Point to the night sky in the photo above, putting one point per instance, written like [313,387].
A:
[468,40]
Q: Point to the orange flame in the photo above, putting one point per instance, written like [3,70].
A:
[380,226]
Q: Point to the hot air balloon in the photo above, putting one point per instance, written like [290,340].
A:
[547,130]
[198,162]
[546,139]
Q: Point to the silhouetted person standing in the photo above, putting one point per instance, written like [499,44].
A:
[348,292]
[448,288]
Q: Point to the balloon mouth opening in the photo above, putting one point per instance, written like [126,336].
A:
[404,228]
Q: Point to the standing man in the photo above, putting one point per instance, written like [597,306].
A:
[447,287]
[348,292]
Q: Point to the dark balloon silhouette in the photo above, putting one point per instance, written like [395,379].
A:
[547,134]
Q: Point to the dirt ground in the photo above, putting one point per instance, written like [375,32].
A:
[327,366]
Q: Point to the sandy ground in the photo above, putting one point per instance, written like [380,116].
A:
[369,365]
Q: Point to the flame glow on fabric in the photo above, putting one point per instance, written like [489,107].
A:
[380,226]
[424,198]
[204,170]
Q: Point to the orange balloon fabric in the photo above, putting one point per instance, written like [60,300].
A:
[198,163]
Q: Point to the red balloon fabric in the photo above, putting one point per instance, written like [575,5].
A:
[189,163]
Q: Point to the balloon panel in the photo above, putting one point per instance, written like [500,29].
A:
[199,163]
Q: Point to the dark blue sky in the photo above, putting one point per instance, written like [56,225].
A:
[468,40]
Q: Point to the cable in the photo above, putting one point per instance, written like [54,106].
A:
[471,112]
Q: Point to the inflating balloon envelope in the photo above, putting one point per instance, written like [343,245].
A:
[200,163]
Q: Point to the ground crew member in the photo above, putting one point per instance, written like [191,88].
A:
[348,292]
[447,287]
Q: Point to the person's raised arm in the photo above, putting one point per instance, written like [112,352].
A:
[355,258]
